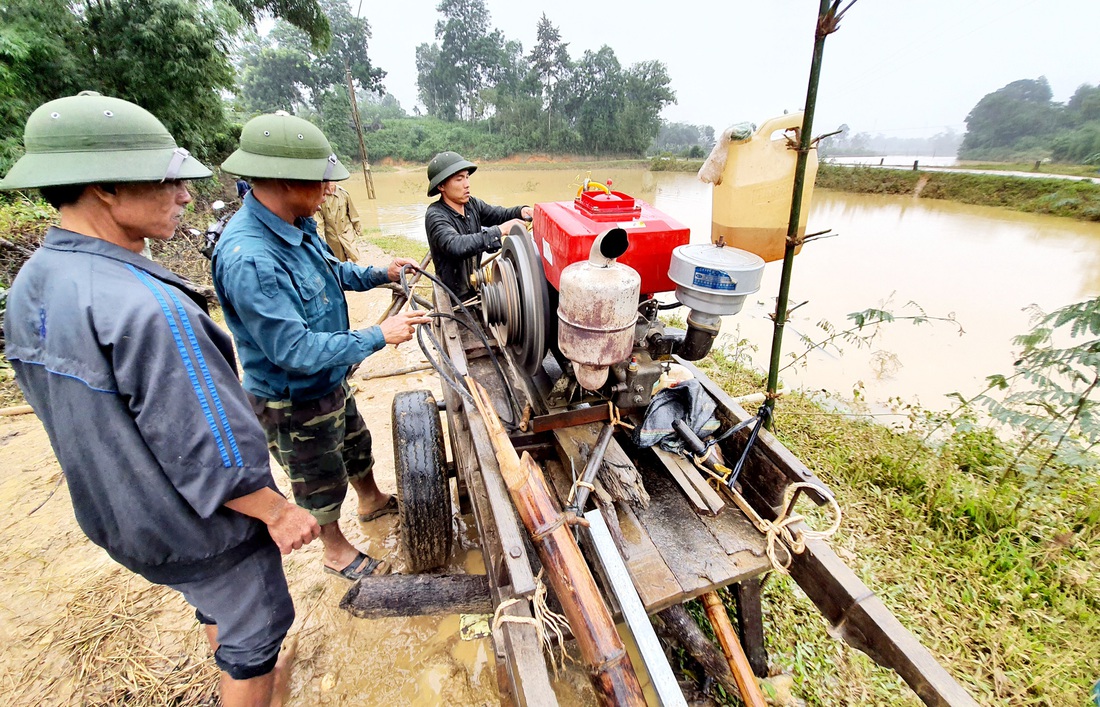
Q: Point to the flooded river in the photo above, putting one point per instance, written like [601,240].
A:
[981,265]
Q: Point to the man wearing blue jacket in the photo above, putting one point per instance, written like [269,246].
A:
[137,387]
[282,291]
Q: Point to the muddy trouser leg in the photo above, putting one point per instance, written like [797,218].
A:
[308,439]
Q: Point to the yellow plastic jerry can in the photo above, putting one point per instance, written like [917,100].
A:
[752,200]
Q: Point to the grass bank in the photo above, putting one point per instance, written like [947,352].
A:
[1010,607]
[1055,197]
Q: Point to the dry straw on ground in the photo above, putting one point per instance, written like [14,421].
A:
[113,635]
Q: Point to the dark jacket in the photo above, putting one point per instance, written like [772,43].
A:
[137,389]
[458,241]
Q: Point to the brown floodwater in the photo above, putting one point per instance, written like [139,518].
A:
[983,266]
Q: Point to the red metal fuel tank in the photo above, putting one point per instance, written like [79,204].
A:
[564,232]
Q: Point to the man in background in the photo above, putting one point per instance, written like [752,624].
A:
[137,387]
[341,223]
[461,227]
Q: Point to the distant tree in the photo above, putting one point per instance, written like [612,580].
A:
[169,56]
[549,59]
[37,64]
[1019,110]
[468,53]
[681,138]
[1084,105]
[436,82]
[374,108]
[596,100]
[285,67]
[646,94]
[270,78]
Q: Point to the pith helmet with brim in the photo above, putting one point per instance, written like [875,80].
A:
[444,166]
[94,139]
[282,146]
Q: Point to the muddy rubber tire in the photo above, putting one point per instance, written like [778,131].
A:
[423,490]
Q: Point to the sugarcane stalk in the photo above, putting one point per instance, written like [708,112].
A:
[735,654]
[610,671]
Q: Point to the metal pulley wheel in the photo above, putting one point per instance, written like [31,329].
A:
[515,303]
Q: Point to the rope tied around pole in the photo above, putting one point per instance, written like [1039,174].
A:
[780,533]
[547,623]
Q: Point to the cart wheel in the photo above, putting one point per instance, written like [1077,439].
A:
[423,491]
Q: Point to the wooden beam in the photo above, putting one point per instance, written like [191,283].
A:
[418,595]
[698,492]
[864,622]
[750,624]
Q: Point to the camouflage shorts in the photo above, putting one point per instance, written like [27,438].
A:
[321,444]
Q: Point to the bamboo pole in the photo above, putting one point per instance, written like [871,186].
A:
[827,18]
[611,673]
[368,178]
[735,654]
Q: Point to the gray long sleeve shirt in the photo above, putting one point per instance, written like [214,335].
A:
[138,391]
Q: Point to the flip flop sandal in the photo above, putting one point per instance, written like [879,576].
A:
[389,508]
[362,566]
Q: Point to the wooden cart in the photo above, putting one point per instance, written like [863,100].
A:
[685,542]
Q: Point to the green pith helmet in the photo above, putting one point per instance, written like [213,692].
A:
[281,146]
[94,139]
[443,166]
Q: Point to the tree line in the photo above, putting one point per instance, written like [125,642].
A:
[203,70]
[1022,121]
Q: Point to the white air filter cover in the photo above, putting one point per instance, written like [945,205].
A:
[715,279]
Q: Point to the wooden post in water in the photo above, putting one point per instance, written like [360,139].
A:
[610,671]
[827,22]
[368,178]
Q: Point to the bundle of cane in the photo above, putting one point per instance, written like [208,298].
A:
[611,673]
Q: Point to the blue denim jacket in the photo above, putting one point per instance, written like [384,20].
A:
[282,291]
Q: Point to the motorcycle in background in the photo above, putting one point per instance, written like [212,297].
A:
[214,231]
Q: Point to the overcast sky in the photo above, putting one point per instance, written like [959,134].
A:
[908,68]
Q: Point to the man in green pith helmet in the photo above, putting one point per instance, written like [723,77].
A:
[460,226]
[282,291]
[137,387]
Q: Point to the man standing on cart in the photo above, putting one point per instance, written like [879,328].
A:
[461,227]
[282,290]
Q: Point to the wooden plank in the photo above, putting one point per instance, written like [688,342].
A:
[699,493]
[687,545]
[519,651]
[862,620]
[522,675]
[656,584]
[418,595]
[575,443]
[750,624]
[481,460]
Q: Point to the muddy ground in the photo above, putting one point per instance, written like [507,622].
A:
[78,629]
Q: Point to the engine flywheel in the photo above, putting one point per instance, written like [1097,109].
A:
[515,302]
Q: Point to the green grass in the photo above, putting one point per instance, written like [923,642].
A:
[1010,608]
[1054,197]
[397,246]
